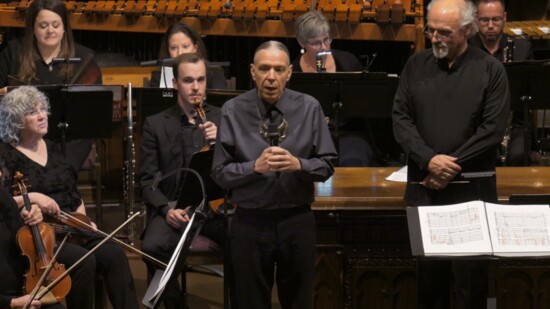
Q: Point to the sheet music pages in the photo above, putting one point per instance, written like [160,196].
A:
[398,176]
[458,229]
[172,264]
[519,230]
[166,77]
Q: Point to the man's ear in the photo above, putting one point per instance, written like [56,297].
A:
[252,69]
[289,73]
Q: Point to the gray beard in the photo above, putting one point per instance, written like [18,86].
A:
[440,50]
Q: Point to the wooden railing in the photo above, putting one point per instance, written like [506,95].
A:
[353,20]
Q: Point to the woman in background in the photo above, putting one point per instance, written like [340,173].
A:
[313,35]
[179,39]
[48,35]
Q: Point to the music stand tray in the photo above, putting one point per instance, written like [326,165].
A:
[190,190]
[343,94]
[87,111]
[150,101]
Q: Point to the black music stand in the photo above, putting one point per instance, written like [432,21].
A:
[218,97]
[528,82]
[197,192]
[201,211]
[84,111]
[150,101]
[190,192]
[349,95]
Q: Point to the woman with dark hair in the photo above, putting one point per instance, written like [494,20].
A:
[23,123]
[179,39]
[48,35]
[313,35]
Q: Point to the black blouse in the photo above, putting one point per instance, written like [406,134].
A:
[57,179]
[13,264]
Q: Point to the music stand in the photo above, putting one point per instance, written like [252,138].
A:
[343,95]
[150,101]
[179,256]
[190,192]
[83,111]
[218,97]
[195,192]
[528,82]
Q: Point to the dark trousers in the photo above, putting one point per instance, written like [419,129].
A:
[160,240]
[268,243]
[469,279]
[111,263]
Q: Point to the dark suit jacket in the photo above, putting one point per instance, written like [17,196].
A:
[162,151]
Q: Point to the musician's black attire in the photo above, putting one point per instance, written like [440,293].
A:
[57,179]
[462,112]
[273,221]
[522,52]
[354,144]
[13,265]
[168,143]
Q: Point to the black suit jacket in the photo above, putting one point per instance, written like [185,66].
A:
[162,151]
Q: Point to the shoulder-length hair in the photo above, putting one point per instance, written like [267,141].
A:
[14,107]
[29,49]
[189,32]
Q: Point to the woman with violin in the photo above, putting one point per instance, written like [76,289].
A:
[13,263]
[52,181]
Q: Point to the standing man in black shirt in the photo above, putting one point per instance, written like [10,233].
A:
[170,138]
[273,145]
[449,114]
[491,19]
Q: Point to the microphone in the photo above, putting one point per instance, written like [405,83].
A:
[273,135]
[69,60]
[319,57]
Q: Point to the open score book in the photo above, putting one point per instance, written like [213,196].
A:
[478,228]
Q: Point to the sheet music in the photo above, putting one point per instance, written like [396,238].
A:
[172,264]
[398,176]
[459,229]
[520,229]
[166,77]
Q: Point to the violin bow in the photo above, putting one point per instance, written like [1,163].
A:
[46,272]
[63,275]
[116,240]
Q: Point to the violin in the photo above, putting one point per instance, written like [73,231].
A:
[37,243]
[197,103]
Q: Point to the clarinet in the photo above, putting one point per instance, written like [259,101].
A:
[503,150]
[129,168]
